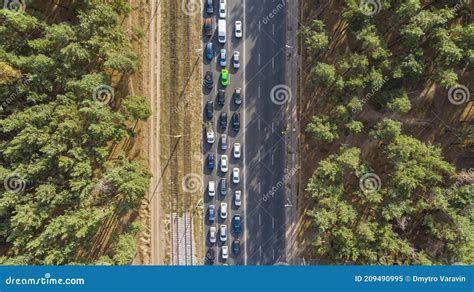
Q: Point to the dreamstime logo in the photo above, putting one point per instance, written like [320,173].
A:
[280,94]
[192,183]
[14,5]
[466,176]
[459,94]
[271,193]
[103,94]
[370,7]
[370,183]
[186,102]
[279,7]
[14,183]
[190,7]
[14,95]
[377,86]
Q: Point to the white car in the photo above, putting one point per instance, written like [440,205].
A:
[212,188]
[222,58]
[238,198]
[224,163]
[225,252]
[222,8]
[236,60]
[223,233]
[223,210]
[210,137]
[236,175]
[212,234]
[238,29]
[237,149]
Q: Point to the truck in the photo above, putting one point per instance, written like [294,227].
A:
[208,26]
[221,31]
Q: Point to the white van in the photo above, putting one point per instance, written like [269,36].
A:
[221,33]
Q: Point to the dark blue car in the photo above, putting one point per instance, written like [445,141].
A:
[209,51]
[212,213]
[211,161]
[237,224]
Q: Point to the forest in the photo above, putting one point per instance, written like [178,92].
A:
[62,114]
[388,187]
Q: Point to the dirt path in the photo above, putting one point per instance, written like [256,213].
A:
[157,235]
[151,244]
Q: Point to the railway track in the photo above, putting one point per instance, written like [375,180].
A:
[180,136]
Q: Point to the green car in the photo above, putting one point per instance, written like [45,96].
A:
[225,77]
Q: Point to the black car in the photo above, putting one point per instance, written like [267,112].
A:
[209,109]
[236,121]
[211,161]
[221,97]
[209,79]
[210,256]
[223,120]
[236,246]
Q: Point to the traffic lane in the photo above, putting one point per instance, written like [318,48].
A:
[262,218]
[253,50]
[259,131]
[217,174]
[267,169]
[254,139]
[233,136]
[252,181]
[235,12]
[274,162]
[211,175]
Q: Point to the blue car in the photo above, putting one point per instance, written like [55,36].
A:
[237,224]
[209,51]
[212,213]
[211,161]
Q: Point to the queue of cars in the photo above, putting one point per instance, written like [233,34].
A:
[222,185]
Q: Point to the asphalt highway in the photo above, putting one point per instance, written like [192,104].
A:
[261,76]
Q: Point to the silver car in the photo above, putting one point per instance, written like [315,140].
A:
[225,252]
[224,142]
[222,58]
[238,198]
[224,163]
[223,233]
[212,234]
[236,60]
[236,175]
[222,8]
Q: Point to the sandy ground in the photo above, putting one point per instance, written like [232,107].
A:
[145,15]
[157,243]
